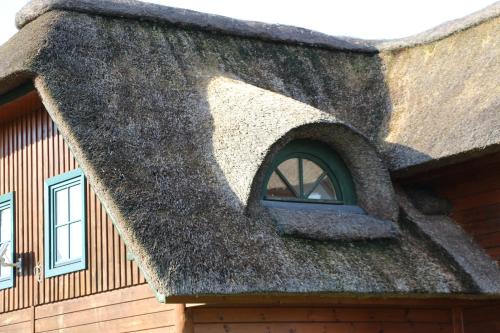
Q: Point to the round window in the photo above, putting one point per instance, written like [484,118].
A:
[309,171]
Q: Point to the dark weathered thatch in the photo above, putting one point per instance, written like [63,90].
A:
[175,115]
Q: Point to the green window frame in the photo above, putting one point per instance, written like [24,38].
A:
[7,235]
[61,199]
[323,157]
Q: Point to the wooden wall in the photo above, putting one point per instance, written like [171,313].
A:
[352,319]
[32,150]
[133,309]
[482,319]
[474,190]
[19,321]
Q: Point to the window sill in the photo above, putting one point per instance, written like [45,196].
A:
[328,222]
[69,267]
[7,282]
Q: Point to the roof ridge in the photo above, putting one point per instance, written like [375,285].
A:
[274,32]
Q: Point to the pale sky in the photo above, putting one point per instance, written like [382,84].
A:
[370,19]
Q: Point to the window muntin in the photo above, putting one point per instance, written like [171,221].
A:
[309,171]
[302,179]
[7,236]
[65,240]
[68,223]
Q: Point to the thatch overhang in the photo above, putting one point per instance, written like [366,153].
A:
[174,115]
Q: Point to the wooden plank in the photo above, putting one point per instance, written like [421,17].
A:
[38,221]
[481,199]
[93,240]
[237,315]
[323,328]
[102,314]
[24,293]
[116,252]
[481,228]
[165,329]
[416,328]
[17,161]
[50,168]
[274,328]
[123,263]
[18,328]
[494,252]
[490,239]
[183,318]
[483,327]
[470,185]
[457,320]
[10,181]
[318,314]
[32,208]
[435,315]
[14,317]
[482,313]
[104,250]
[453,173]
[110,247]
[129,268]
[99,300]
[45,283]
[128,324]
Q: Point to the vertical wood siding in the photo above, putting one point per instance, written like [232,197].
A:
[32,150]
[474,190]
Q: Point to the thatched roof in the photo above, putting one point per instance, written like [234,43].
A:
[445,100]
[174,117]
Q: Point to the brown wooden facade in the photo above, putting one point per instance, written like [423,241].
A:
[111,295]
[473,188]
[135,309]
[31,151]
[121,310]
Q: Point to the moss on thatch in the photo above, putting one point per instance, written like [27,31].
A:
[174,121]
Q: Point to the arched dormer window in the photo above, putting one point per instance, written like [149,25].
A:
[310,172]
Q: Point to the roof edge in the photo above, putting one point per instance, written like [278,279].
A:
[16,93]
[441,31]
[134,9]
[328,298]
[444,161]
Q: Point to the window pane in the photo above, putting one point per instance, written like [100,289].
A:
[311,172]
[324,191]
[75,203]
[62,206]
[276,188]
[7,271]
[5,232]
[290,169]
[76,240]
[62,246]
